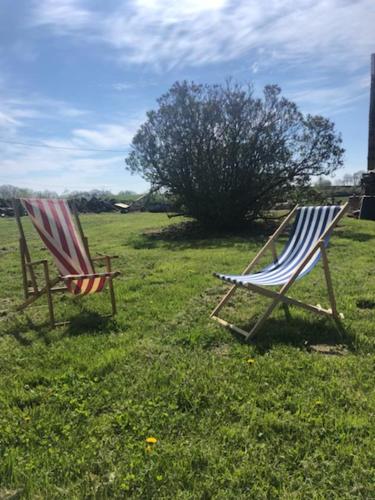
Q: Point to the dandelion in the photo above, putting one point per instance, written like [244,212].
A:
[251,361]
[151,440]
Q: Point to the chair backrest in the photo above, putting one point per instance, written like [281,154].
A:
[54,222]
[309,226]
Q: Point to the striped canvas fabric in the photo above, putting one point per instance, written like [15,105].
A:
[309,225]
[54,222]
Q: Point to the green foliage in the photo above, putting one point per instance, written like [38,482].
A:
[323,184]
[228,156]
[7,192]
[266,420]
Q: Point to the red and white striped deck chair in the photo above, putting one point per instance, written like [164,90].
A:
[64,238]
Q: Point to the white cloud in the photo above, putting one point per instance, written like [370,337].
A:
[320,97]
[254,68]
[122,86]
[59,169]
[71,156]
[105,136]
[13,115]
[71,162]
[18,112]
[8,120]
[195,32]
[66,14]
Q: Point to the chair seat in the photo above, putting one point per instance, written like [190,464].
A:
[275,274]
[85,285]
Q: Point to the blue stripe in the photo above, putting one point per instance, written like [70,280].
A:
[309,225]
[318,219]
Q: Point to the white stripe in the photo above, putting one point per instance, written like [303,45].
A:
[38,222]
[56,237]
[283,273]
[69,238]
[305,237]
[53,240]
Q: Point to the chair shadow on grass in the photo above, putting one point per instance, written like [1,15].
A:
[19,331]
[88,322]
[83,322]
[354,235]
[192,234]
[298,332]
[365,303]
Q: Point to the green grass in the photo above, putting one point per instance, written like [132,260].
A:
[265,420]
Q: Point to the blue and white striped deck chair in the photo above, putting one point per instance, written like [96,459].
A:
[307,243]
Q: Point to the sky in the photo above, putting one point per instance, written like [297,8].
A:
[77,76]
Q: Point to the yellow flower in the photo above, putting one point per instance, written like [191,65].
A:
[151,440]
[251,361]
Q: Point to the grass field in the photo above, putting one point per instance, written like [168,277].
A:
[266,420]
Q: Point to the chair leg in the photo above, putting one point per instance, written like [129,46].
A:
[263,318]
[223,301]
[49,295]
[113,297]
[110,285]
[23,270]
[328,278]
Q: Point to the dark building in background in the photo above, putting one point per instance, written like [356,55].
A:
[371,129]
[367,210]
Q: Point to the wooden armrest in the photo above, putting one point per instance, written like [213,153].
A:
[95,275]
[103,257]
[37,262]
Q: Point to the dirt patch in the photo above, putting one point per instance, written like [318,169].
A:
[333,350]
[221,350]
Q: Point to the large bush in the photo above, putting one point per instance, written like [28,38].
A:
[227,156]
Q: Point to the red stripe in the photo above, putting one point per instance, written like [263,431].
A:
[57,254]
[68,221]
[89,286]
[103,281]
[45,220]
[60,230]
[77,286]
[29,208]
[99,288]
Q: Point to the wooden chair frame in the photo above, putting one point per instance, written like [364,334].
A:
[280,297]
[32,291]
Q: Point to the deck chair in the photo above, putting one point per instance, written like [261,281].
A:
[307,243]
[63,237]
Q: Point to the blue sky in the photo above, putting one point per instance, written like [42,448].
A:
[81,74]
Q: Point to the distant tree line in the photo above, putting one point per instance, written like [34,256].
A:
[9,192]
[95,200]
[353,180]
